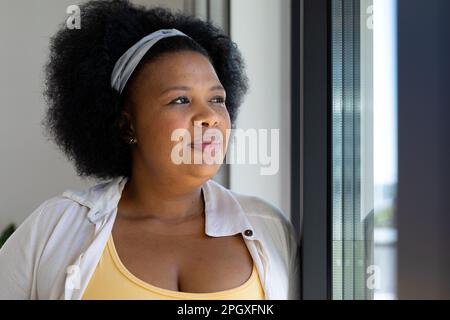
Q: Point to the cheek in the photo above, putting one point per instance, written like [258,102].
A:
[157,134]
[226,118]
[226,126]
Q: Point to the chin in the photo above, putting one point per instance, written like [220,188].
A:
[204,171]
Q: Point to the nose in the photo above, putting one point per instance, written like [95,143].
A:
[205,117]
[205,123]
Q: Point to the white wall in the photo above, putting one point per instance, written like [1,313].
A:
[261,28]
[31,169]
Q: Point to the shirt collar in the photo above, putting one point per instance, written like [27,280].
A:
[224,216]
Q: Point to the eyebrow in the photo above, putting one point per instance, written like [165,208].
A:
[185,88]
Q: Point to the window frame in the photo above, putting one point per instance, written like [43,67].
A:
[311,138]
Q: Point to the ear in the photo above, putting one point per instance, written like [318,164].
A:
[126,122]
[127,115]
[127,112]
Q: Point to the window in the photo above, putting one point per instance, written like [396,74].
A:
[363,149]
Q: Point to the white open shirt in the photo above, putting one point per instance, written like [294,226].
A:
[54,252]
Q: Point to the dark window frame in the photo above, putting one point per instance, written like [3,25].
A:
[311,143]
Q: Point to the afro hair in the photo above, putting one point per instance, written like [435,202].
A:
[84,113]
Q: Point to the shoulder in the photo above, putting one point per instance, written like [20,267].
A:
[265,212]
[50,213]
[255,205]
[71,204]
[51,222]
[259,207]
[33,233]
[48,234]
[261,213]
[252,205]
[76,203]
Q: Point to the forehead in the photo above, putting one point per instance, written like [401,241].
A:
[184,67]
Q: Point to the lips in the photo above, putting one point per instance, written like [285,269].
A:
[204,145]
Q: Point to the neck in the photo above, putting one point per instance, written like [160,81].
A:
[165,200]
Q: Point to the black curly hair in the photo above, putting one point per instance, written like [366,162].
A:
[85,114]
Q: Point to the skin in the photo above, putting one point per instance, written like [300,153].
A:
[161,211]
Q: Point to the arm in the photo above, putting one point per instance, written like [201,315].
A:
[17,260]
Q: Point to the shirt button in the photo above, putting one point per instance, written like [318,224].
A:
[248,232]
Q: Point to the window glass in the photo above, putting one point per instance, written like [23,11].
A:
[364,159]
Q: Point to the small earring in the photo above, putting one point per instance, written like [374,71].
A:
[132,140]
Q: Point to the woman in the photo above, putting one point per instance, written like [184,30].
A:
[118,89]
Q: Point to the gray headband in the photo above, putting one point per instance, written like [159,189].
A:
[125,66]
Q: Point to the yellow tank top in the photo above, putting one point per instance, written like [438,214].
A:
[112,281]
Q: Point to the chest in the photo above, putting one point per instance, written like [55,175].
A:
[187,263]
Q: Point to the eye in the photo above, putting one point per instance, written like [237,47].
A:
[218,100]
[180,100]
